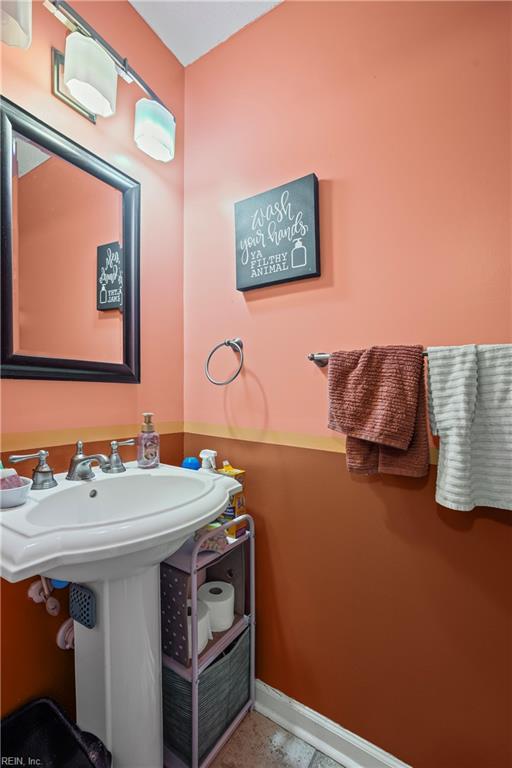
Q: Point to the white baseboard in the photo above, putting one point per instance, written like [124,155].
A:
[343,746]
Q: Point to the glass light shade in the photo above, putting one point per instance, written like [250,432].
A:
[16,21]
[155,130]
[90,74]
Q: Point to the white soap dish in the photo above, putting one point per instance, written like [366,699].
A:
[15,497]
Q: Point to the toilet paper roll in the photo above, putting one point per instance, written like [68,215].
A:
[204,632]
[219,596]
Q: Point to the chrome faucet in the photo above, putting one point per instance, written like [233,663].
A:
[42,474]
[80,464]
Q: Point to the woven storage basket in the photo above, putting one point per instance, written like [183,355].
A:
[224,688]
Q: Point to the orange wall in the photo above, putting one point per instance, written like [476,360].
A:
[57,258]
[379,609]
[26,81]
[376,607]
[403,112]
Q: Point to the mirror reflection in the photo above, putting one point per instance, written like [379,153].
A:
[67,259]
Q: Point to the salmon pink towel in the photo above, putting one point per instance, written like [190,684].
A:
[377,398]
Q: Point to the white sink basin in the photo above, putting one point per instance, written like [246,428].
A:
[111,533]
[117,499]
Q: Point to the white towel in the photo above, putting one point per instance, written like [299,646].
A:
[470,408]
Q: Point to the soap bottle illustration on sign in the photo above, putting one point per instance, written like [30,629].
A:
[103,290]
[299,255]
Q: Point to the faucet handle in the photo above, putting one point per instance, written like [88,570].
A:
[42,455]
[42,474]
[115,460]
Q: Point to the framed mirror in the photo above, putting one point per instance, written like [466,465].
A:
[70,258]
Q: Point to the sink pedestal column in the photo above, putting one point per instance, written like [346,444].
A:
[118,669]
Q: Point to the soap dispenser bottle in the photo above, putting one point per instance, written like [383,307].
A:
[148,444]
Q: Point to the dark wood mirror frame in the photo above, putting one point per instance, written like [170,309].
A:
[13,118]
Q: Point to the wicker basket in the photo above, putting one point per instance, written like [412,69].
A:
[224,688]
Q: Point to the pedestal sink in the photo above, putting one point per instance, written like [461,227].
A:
[110,534]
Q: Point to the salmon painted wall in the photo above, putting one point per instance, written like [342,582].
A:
[36,412]
[376,607]
[403,112]
[54,204]
[26,81]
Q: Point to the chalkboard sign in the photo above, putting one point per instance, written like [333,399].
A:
[277,237]
[109,283]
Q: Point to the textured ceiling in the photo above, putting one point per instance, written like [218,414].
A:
[190,28]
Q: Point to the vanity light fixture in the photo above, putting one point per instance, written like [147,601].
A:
[155,130]
[91,67]
[16,22]
[90,74]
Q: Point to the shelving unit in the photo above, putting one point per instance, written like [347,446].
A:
[190,560]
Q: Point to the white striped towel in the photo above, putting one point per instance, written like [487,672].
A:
[470,408]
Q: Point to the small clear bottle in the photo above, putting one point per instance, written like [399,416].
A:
[148,444]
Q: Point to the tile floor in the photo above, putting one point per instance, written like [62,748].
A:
[260,743]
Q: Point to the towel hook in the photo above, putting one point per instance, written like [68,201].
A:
[236,345]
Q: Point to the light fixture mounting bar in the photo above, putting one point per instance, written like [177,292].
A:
[60,93]
[67,15]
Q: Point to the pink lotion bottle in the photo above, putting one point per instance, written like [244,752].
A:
[148,444]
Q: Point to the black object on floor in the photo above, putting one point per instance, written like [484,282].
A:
[41,734]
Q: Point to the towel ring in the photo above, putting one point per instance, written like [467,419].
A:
[236,345]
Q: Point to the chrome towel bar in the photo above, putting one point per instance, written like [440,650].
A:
[322,358]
